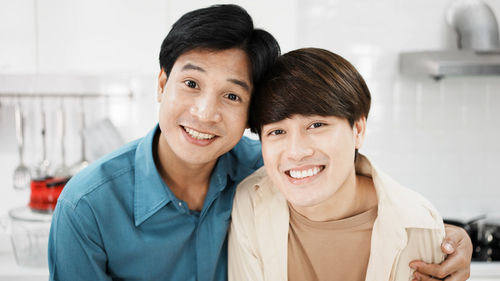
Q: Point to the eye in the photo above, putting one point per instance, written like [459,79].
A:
[233,97]
[316,125]
[276,132]
[191,84]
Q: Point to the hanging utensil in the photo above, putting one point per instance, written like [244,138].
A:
[62,170]
[43,168]
[83,162]
[22,174]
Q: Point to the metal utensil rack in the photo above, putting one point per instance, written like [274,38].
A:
[12,98]
[18,100]
[16,95]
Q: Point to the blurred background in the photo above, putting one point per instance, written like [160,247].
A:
[84,73]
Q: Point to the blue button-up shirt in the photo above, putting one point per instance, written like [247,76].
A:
[117,219]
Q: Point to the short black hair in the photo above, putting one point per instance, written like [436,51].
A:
[220,27]
[309,81]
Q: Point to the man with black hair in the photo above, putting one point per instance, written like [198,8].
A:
[159,207]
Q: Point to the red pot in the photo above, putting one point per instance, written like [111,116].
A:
[44,193]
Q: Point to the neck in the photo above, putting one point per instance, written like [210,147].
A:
[355,196]
[189,182]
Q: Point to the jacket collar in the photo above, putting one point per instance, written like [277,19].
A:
[272,223]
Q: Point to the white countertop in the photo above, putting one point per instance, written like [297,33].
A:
[10,271]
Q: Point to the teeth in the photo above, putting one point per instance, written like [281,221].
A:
[198,135]
[304,173]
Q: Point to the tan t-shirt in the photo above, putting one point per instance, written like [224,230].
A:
[331,250]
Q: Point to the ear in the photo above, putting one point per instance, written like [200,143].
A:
[359,131]
[162,81]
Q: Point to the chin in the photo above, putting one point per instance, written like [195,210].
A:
[197,161]
[302,202]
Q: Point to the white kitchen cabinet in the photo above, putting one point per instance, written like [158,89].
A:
[100,37]
[107,37]
[81,36]
[17,36]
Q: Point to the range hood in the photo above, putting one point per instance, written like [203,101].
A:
[478,43]
[439,64]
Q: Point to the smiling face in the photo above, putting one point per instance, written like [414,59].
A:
[311,158]
[204,105]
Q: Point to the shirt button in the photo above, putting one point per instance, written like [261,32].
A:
[180,204]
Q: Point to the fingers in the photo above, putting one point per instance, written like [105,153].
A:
[454,237]
[456,267]
[422,277]
[448,247]
[452,269]
[462,276]
[436,270]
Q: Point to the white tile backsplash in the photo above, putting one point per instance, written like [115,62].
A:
[438,137]
[442,141]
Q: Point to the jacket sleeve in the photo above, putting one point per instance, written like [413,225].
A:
[75,249]
[244,262]
[423,244]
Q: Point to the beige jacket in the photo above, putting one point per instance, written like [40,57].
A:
[407,228]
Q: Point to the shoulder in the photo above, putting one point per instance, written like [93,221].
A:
[252,190]
[101,173]
[409,207]
[248,152]
[243,159]
[253,183]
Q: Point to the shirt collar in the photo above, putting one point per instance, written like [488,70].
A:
[227,171]
[150,191]
[241,161]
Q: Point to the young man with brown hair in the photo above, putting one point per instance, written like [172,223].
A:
[319,210]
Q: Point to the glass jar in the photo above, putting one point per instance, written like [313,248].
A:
[30,236]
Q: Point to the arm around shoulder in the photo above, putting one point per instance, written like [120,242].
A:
[75,248]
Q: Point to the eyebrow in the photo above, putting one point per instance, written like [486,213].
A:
[242,84]
[190,66]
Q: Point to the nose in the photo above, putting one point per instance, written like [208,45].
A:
[206,108]
[299,147]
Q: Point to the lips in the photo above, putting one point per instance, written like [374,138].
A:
[304,172]
[196,137]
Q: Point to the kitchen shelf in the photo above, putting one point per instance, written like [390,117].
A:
[66,95]
[61,85]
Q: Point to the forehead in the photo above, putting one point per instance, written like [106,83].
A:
[231,62]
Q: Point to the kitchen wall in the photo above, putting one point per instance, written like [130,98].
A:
[439,138]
